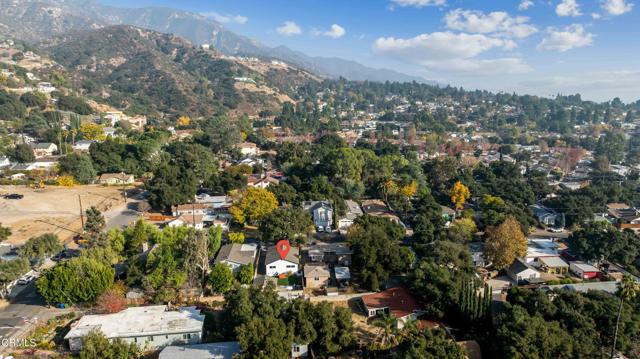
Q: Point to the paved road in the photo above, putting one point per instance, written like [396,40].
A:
[25,310]
[123,215]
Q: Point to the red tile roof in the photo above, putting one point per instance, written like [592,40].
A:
[398,300]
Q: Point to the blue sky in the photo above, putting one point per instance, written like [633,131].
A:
[540,47]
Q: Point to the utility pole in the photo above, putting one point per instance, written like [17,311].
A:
[193,213]
[81,213]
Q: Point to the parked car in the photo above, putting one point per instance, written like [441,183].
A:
[26,279]
[556,230]
[14,196]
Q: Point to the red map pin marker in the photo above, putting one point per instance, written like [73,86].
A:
[283,247]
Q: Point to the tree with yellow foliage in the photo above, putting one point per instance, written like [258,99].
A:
[92,131]
[66,181]
[409,190]
[184,121]
[236,237]
[459,195]
[505,243]
[255,204]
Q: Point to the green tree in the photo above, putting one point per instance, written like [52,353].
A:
[96,345]
[23,153]
[94,225]
[429,344]
[36,249]
[375,242]
[255,344]
[286,222]
[10,271]
[245,275]
[79,166]
[627,291]
[215,240]
[221,278]
[78,280]
[5,232]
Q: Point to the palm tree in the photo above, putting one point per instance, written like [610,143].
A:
[628,290]
[388,331]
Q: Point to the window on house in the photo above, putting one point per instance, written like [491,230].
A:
[316,278]
[150,338]
[296,349]
[272,267]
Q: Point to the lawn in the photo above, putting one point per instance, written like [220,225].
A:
[291,280]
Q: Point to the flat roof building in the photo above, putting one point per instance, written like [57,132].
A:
[149,327]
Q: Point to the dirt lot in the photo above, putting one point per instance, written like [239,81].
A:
[54,209]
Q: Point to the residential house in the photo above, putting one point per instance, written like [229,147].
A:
[219,350]
[248,148]
[149,327]
[259,181]
[109,131]
[353,212]
[521,272]
[46,87]
[336,253]
[448,213]
[43,149]
[546,216]
[583,270]
[539,248]
[116,179]
[299,350]
[553,265]
[201,209]
[189,220]
[624,216]
[45,163]
[377,208]
[316,276]
[4,162]
[322,214]
[236,255]
[396,302]
[82,145]
[276,265]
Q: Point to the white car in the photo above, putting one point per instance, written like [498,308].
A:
[557,230]
[26,279]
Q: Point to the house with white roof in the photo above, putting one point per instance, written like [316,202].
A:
[149,327]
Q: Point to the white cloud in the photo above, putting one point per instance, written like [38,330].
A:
[451,52]
[616,7]
[595,15]
[289,28]
[336,31]
[525,5]
[226,19]
[419,3]
[568,8]
[498,22]
[570,37]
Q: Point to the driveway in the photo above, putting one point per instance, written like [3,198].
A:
[25,311]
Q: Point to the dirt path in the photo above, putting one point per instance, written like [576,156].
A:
[52,210]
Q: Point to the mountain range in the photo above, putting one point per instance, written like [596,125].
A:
[36,20]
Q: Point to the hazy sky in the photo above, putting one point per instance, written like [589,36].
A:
[530,46]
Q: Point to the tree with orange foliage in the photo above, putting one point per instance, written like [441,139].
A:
[110,302]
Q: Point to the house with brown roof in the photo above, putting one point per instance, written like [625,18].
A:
[377,208]
[316,276]
[396,302]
